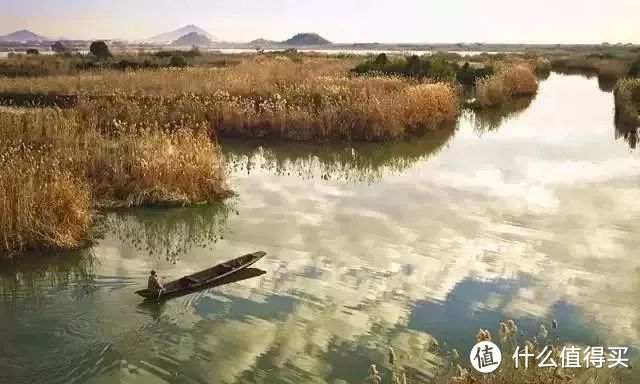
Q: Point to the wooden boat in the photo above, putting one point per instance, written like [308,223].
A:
[203,279]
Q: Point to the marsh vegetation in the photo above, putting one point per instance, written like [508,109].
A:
[57,168]
[142,129]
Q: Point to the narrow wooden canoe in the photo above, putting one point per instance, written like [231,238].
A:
[203,279]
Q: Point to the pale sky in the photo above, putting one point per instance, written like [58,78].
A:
[342,21]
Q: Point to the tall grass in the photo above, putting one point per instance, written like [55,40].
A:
[627,100]
[57,167]
[362,109]
[509,81]
[606,68]
[611,69]
[41,203]
[307,99]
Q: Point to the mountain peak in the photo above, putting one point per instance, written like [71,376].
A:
[172,36]
[192,38]
[22,35]
[307,38]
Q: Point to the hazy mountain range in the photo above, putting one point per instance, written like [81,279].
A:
[188,35]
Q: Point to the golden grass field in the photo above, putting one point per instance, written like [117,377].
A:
[277,97]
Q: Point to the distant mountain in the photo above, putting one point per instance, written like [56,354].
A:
[263,42]
[192,38]
[22,35]
[307,39]
[178,33]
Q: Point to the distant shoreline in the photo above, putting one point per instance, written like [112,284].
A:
[476,47]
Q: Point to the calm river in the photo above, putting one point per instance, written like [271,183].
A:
[531,215]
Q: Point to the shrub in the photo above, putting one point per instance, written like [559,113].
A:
[611,69]
[382,60]
[436,67]
[543,65]
[468,75]
[519,80]
[634,68]
[193,52]
[415,67]
[178,61]
[33,51]
[491,92]
[509,81]
[59,48]
[100,50]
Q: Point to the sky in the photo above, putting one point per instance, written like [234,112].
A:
[341,21]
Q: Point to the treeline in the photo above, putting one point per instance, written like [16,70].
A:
[100,56]
[437,67]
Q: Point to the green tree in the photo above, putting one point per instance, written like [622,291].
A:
[177,61]
[414,66]
[59,48]
[634,69]
[382,60]
[100,50]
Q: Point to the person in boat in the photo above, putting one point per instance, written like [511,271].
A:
[154,284]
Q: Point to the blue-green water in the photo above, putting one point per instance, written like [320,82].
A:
[530,214]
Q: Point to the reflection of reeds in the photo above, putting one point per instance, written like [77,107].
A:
[355,162]
[489,119]
[34,274]
[170,233]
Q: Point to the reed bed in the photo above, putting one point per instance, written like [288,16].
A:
[56,168]
[303,99]
[362,109]
[611,69]
[42,204]
[510,81]
[627,101]
[254,76]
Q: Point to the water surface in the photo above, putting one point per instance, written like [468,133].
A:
[531,213]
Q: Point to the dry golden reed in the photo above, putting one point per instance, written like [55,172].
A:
[627,101]
[55,169]
[41,203]
[309,99]
[509,81]
[611,69]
